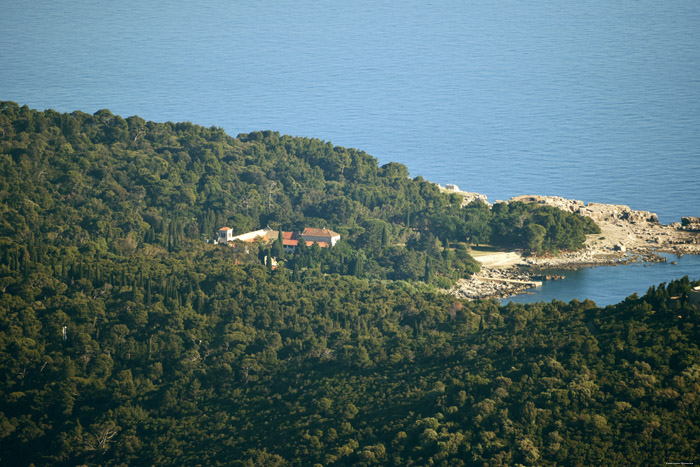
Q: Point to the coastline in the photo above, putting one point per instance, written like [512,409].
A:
[626,236]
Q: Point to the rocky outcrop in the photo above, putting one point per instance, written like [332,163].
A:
[500,283]
[494,283]
[467,196]
[596,211]
[690,224]
[611,212]
[564,204]
[626,236]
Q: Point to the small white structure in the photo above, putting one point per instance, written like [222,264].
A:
[451,187]
[225,234]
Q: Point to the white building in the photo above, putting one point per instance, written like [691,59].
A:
[225,234]
[323,237]
[320,236]
[265,234]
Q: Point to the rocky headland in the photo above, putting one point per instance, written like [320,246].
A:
[626,236]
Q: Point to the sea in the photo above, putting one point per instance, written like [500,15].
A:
[592,100]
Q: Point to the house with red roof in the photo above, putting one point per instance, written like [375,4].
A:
[325,238]
[320,236]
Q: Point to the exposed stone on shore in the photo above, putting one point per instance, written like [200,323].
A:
[691,224]
[467,196]
[547,277]
[486,284]
[596,211]
[626,236]
[638,235]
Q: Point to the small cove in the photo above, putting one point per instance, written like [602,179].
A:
[607,285]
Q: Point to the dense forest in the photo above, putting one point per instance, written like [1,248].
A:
[119,187]
[126,339]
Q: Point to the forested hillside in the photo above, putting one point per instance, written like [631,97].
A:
[118,187]
[126,339]
[239,365]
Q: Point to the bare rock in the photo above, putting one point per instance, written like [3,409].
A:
[467,196]
[691,224]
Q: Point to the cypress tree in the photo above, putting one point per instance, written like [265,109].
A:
[357,265]
[148,297]
[428,271]
[26,259]
[200,302]
[15,261]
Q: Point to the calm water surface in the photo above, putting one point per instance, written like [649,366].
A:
[607,285]
[597,100]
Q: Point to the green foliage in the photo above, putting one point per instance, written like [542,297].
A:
[227,364]
[125,339]
[126,187]
[536,227]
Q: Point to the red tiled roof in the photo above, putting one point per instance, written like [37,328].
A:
[225,228]
[321,244]
[253,240]
[308,243]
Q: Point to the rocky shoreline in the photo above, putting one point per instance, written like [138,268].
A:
[626,236]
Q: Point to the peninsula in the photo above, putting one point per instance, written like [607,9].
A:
[626,235]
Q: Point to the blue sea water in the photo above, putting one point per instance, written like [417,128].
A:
[607,285]
[597,101]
